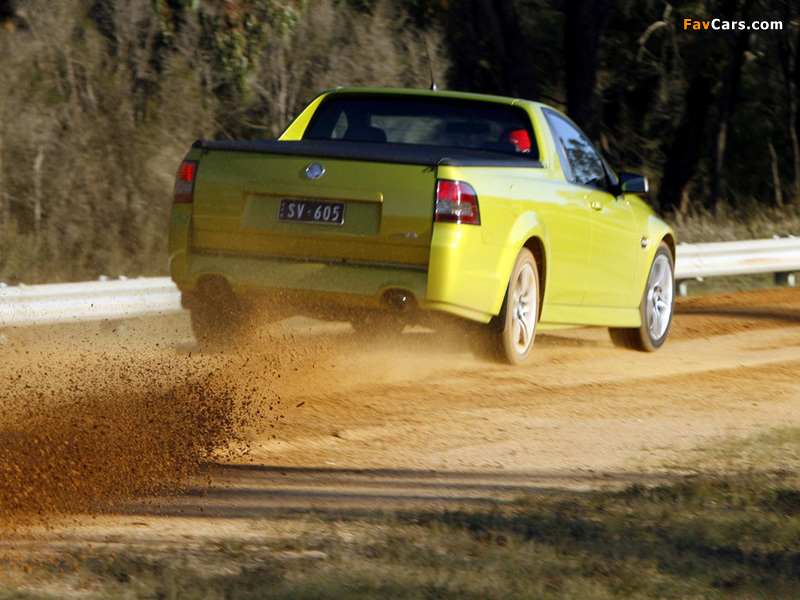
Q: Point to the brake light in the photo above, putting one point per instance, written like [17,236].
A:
[456,202]
[184,182]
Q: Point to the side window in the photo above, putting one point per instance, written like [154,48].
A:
[583,163]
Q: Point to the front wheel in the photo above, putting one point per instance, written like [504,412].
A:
[520,311]
[656,307]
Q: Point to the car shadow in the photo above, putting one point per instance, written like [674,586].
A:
[234,491]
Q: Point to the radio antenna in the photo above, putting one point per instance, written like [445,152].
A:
[434,87]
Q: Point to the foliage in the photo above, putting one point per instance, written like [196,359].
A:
[99,99]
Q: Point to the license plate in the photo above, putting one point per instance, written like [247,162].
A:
[311,211]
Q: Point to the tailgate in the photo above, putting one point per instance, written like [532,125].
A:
[269,204]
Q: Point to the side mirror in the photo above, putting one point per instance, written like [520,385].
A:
[633,183]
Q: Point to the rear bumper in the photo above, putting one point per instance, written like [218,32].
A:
[461,278]
[352,285]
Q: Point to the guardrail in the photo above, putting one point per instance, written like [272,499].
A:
[127,298]
[110,299]
[780,256]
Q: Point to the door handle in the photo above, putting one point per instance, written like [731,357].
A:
[596,205]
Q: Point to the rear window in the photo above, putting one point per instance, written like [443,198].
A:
[421,121]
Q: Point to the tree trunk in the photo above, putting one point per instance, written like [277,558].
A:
[776,175]
[6,10]
[493,53]
[788,53]
[5,204]
[517,74]
[794,116]
[794,112]
[37,196]
[685,149]
[583,23]
[727,105]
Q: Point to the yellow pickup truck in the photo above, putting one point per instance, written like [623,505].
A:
[384,207]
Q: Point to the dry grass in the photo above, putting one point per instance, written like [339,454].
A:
[701,226]
[730,531]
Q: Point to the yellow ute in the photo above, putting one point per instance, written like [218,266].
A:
[385,207]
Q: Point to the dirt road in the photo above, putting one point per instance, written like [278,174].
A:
[96,416]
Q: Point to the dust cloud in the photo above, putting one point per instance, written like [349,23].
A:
[90,422]
[100,422]
[94,416]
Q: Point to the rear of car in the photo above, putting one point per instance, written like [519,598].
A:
[339,213]
[386,206]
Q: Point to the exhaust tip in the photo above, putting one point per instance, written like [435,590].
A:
[400,300]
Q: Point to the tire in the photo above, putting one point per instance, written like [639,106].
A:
[517,321]
[656,307]
[218,317]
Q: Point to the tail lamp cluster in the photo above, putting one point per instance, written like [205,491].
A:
[456,202]
[184,182]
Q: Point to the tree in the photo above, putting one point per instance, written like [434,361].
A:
[6,11]
[583,26]
[685,149]
[789,54]
[493,51]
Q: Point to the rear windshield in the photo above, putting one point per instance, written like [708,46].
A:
[421,121]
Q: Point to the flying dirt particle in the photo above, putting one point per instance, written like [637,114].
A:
[91,422]
[83,431]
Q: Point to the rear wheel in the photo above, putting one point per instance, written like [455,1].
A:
[219,318]
[520,312]
[656,307]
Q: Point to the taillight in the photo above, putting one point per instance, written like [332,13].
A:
[456,202]
[184,183]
